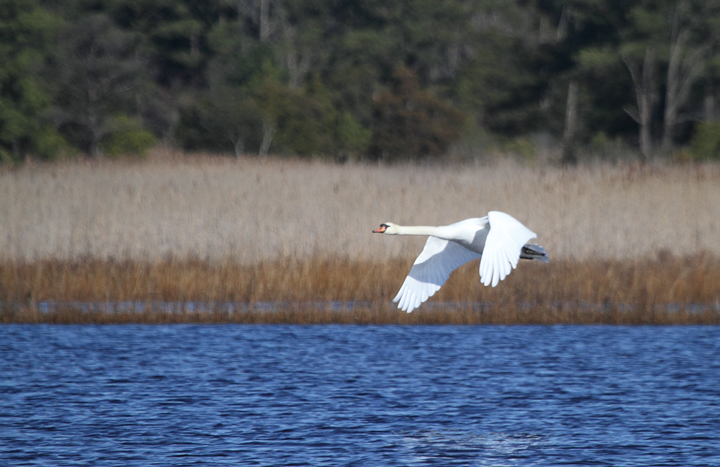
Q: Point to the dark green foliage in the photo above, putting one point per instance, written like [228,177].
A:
[304,121]
[96,74]
[410,122]
[705,143]
[227,121]
[504,85]
[319,77]
[308,123]
[25,40]
[174,34]
[127,138]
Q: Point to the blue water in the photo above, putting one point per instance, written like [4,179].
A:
[359,395]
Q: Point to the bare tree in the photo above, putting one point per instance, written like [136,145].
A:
[644,79]
[571,121]
[571,105]
[297,59]
[268,134]
[259,13]
[686,62]
[709,100]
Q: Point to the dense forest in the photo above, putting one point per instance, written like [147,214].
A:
[360,79]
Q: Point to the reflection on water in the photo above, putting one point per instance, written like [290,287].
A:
[359,395]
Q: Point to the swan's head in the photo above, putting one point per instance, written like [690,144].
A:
[386,228]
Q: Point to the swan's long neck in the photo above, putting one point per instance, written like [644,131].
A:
[421,230]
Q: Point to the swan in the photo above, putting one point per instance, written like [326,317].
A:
[498,238]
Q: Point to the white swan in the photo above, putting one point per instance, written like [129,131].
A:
[498,238]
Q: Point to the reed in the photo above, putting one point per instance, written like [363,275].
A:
[661,290]
[628,244]
[254,210]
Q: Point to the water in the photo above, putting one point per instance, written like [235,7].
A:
[359,395]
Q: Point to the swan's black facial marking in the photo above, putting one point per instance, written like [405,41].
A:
[381,229]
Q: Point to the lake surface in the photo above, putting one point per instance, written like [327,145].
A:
[359,395]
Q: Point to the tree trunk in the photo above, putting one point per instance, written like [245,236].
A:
[239,146]
[709,100]
[571,111]
[264,20]
[647,103]
[644,81]
[297,63]
[268,133]
[93,121]
[685,65]
[683,72]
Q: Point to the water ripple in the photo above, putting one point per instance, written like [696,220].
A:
[359,395]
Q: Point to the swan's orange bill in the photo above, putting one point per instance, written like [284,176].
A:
[380,229]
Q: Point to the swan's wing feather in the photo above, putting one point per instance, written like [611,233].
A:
[430,271]
[502,247]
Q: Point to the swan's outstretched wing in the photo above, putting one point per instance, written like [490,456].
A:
[430,271]
[502,247]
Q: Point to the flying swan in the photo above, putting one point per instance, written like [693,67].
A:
[498,238]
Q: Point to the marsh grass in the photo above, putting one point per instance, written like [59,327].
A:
[663,290]
[254,210]
[628,244]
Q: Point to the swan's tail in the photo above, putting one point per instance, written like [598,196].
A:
[533,251]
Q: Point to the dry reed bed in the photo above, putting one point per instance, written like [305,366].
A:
[212,229]
[566,291]
[251,210]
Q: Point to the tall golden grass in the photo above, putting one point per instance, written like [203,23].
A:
[663,290]
[625,241]
[252,210]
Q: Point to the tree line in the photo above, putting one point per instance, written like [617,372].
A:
[365,79]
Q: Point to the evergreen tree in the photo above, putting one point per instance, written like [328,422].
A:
[26,34]
[320,77]
[96,71]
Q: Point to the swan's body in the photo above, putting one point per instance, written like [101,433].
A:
[499,239]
